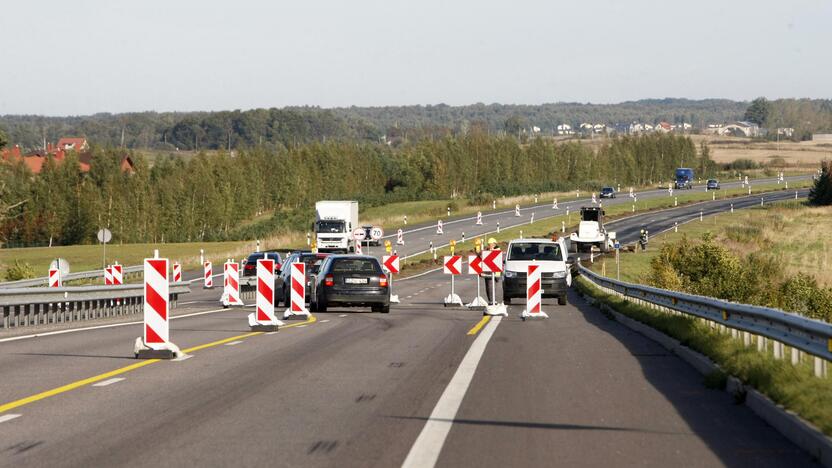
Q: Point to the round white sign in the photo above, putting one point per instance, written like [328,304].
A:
[376,232]
[104,235]
[60,264]
[359,234]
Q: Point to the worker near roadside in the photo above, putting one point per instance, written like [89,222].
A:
[491,285]
[642,239]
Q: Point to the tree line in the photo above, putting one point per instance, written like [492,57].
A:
[213,195]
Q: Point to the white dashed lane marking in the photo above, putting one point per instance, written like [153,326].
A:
[8,417]
[233,343]
[108,382]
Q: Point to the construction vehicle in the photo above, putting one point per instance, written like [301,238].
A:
[591,231]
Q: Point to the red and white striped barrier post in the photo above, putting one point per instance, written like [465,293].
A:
[118,274]
[108,276]
[177,272]
[452,265]
[55,278]
[358,249]
[534,294]
[479,218]
[155,344]
[208,283]
[297,298]
[555,204]
[517,211]
[263,318]
[399,237]
[231,283]
[439,227]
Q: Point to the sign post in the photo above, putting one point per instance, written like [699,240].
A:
[452,266]
[104,236]
[475,268]
[492,261]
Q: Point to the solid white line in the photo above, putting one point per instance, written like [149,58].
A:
[8,417]
[343,315]
[426,449]
[99,327]
[108,382]
[233,343]
[301,326]
[325,321]
[183,357]
[271,333]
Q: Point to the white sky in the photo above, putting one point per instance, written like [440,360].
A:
[86,56]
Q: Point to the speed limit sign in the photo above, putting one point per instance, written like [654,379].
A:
[376,232]
[359,234]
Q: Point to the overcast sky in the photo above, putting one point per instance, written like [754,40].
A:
[85,56]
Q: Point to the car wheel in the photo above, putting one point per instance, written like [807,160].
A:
[385,309]
[321,306]
[562,300]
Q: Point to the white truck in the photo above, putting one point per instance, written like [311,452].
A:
[591,231]
[334,223]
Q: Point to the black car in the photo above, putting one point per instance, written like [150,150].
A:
[713,184]
[350,281]
[607,192]
[250,264]
[283,280]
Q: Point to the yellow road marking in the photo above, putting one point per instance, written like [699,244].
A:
[123,370]
[479,325]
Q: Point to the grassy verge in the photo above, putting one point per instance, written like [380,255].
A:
[793,386]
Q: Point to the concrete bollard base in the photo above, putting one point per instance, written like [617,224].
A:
[142,351]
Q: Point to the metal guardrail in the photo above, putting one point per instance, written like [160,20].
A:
[813,337]
[25,307]
[81,275]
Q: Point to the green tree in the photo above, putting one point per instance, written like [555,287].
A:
[4,140]
[821,192]
[513,124]
[758,111]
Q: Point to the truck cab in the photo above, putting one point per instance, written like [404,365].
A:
[334,223]
[684,178]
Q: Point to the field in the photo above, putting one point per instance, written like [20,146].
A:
[794,235]
[795,154]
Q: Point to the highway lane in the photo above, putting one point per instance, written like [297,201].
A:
[355,390]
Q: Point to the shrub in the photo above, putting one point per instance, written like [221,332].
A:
[741,164]
[20,271]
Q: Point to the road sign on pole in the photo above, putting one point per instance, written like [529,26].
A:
[492,261]
[263,319]
[104,236]
[475,268]
[297,298]
[452,265]
[391,264]
[359,234]
[376,233]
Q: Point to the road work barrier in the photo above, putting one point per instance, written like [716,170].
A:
[108,276]
[54,278]
[81,275]
[452,265]
[439,227]
[118,275]
[399,237]
[534,294]
[297,297]
[156,344]
[390,263]
[231,285]
[263,319]
[516,211]
[479,218]
[766,326]
[177,272]
[208,276]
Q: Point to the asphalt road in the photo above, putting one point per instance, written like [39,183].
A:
[358,389]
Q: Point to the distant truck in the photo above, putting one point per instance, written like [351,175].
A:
[591,231]
[334,223]
[684,178]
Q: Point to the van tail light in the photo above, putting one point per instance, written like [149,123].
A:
[249,266]
[329,280]
[382,281]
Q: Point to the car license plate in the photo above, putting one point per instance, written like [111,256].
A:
[355,280]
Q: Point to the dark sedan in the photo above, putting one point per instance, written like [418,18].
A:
[284,279]
[350,281]
[250,264]
[607,192]
[713,184]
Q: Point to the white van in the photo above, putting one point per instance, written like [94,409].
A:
[551,255]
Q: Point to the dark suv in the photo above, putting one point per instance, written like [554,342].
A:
[350,281]
[713,184]
[607,192]
[250,264]
[283,280]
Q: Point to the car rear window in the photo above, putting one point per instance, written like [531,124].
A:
[354,265]
[535,251]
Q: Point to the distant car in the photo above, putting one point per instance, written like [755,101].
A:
[713,184]
[368,240]
[607,192]
[250,263]
[350,281]
[284,278]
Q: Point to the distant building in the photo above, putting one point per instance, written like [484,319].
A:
[35,160]
[663,127]
[787,132]
[824,137]
[741,129]
[565,129]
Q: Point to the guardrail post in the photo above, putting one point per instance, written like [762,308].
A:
[795,356]
[5,318]
[761,343]
[820,367]
[778,350]
[746,339]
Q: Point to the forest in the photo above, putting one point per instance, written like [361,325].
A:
[211,195]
